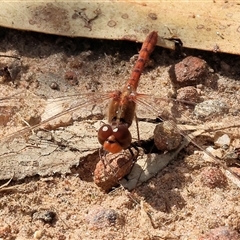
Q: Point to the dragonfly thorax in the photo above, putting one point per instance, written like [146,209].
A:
[115,136]
[122,107]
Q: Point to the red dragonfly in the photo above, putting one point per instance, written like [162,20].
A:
[114,136]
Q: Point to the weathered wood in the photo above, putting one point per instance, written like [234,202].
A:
[207,25]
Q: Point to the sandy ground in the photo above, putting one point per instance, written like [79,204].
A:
[52,194]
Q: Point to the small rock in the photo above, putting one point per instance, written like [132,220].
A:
[220,233]
[47,216]
[213,177]
[189,94]
[210,108]
[216,152]
[166,136]
[75,63]
[223,140]
[38,234]
[99,217]
[71,77]
[190,70]
[54,86]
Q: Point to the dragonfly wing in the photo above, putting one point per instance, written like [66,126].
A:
[34,112]
[64,110]
[46,152]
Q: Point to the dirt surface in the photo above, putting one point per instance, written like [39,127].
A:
[52,194]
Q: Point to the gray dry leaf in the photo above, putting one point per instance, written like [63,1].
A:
[45,156]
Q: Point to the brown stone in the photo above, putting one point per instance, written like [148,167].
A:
[220,233]
[189,94]
[190,71]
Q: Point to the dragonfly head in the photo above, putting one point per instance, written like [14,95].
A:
[114,138]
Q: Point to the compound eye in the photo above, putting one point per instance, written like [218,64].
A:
[104,132]
[122,136]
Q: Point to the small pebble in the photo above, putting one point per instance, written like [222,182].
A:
[220,233]
[191,70]
[99,217]
[46,216]
[54,86]
[210,108]
[213,177]
[166,136]
[223,140]
[71,77]
[37,234]
[216,152]
[189,94]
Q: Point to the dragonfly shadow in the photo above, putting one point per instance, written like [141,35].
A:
[152,166]
[163,191]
